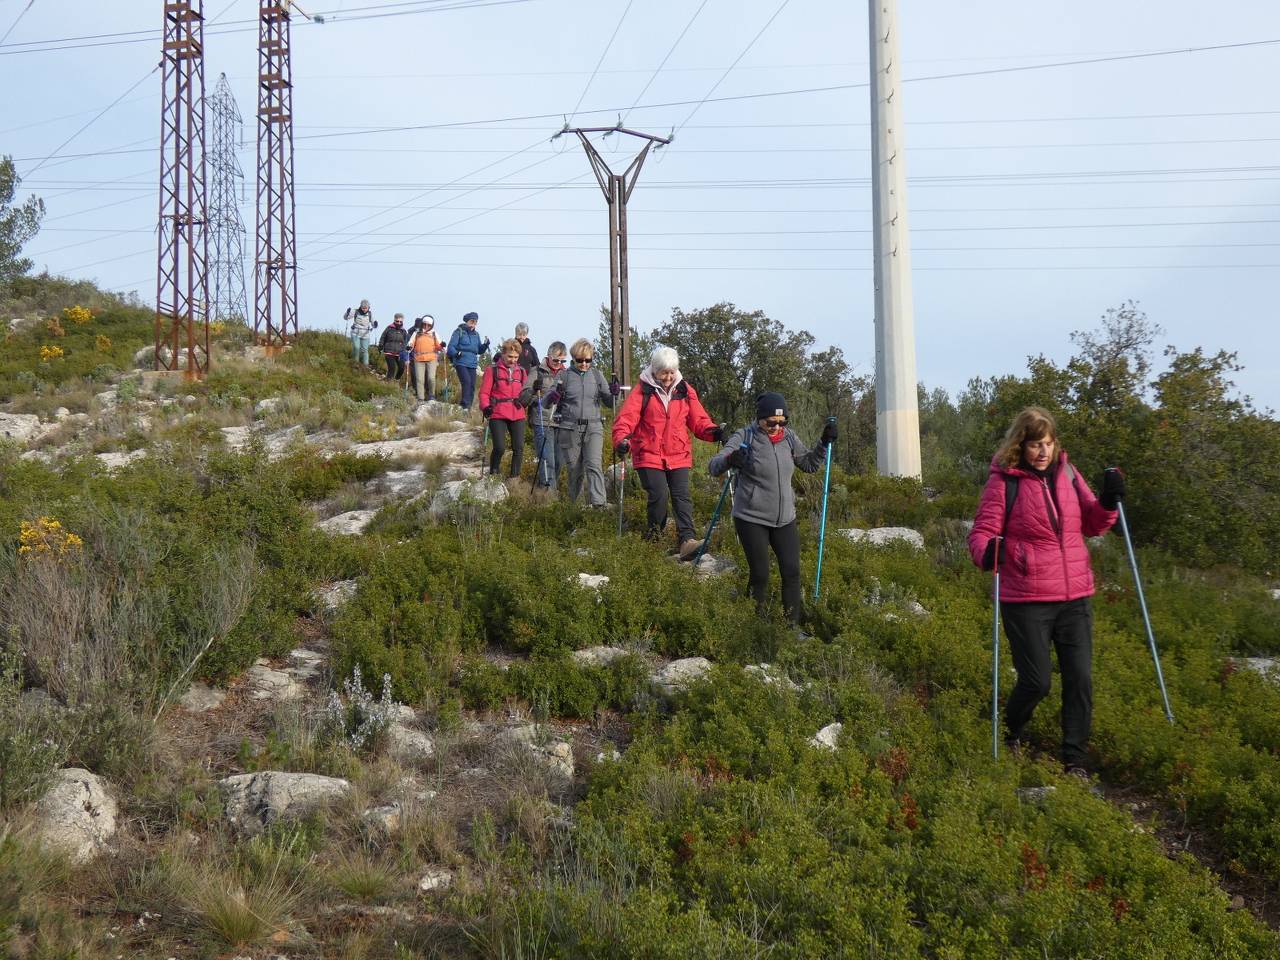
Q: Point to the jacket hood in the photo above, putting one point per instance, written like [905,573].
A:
[646,376]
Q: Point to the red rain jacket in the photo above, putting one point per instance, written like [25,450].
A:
[660,439]
[501,389]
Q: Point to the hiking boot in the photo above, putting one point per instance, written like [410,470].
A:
[688,548]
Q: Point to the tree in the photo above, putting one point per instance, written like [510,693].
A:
[17,224]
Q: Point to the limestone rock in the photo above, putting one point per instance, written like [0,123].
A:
[385,818]
[771,676]
[1035,795]
[269,684]
[600,656]
[305,664]
[827,737]
[712,566]
[61,413]
[266,405]
[437,410]
[408,745]
[401,483]
[117,459]
[19,427]
[592,581]
[436,878]
[556,755]
[347,524]
[457,445]
[77,815]
[486,491]
[678,675]
[1266,667]
[335,595]
[1275,594]
[275,444]
[254,801]
[883,536]
[201,698]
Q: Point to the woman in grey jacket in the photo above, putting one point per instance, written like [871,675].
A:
[766,454]
[579,396]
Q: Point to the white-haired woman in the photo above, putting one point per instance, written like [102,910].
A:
[655,424]
[528,355]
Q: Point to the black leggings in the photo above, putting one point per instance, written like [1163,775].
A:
[395,366]
[499,429]
[1033,628]
[659,484]
[756,539]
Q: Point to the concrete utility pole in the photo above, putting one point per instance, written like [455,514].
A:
[617,189]
[897,408]
[182,289]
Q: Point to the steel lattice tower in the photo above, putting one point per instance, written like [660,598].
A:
[275,312]
[182,289]
[229,301]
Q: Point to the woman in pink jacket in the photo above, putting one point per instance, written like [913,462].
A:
[1034,514]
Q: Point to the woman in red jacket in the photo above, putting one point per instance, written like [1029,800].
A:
[654,424]
[503,406]
[1034,514]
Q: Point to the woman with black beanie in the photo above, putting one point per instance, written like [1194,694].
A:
[766,455]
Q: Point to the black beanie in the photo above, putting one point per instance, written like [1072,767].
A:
[771,405]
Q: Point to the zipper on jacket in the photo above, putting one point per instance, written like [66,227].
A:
[1055,519]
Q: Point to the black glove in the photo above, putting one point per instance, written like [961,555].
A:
[552,398]
[738,458]
[622,447]
[719,433]
[1112,487]
[487,412]
[829,433]
[989,555]
[615,387]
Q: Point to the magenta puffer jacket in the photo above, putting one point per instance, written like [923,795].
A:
[1044,557]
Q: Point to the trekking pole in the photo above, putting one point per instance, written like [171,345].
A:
[446,379]
[1146,617]
[622,486]
[995,658]
[542,449]
[715,515]
[822,529]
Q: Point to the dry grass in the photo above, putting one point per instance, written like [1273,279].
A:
[363,876]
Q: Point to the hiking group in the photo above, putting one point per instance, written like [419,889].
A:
[1032,520]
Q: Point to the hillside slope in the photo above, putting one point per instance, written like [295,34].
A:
[206,583]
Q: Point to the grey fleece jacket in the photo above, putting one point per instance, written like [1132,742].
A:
[581,397]
[764,493]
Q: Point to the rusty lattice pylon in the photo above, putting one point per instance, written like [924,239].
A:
[182,288]
[275,311]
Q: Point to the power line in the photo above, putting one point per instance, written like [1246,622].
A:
[91,122]
[603,53]
[663,63]
[17,20]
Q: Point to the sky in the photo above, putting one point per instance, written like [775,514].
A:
[1042,190]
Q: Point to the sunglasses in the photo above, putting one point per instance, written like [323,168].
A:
[556,360]
[582,360]
[775,424]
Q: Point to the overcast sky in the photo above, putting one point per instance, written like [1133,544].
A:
[1038,197]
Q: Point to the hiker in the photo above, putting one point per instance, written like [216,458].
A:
[465,348]
[542,383]
[1034,514]
[654,425]
[766,454]
[580,393]
[392,346]
[502,398]
[362,323]
[528,355]
[425,347]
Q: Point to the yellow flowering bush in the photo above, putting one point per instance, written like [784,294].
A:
[102,343]
[48,353]
[46,536]
[54,327]
[217,328]
[78,315]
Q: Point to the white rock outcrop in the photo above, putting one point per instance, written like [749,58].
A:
[600,656]
[486,491]
[434,879]
[679,675]
[771,676]
[116,459]
[884,536]
[827,737]
[407,744]
[254,801]
[347,524]
[19,427]
[266,683]
[555,754]
[201,698]
[76,815]
[455,445]
[592,581]
[334,596]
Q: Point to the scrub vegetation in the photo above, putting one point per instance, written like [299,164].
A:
[705,823]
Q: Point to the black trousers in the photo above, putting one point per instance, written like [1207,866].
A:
[756,540]
[499,429]
[395,366]
[1068,627]
[663,484]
